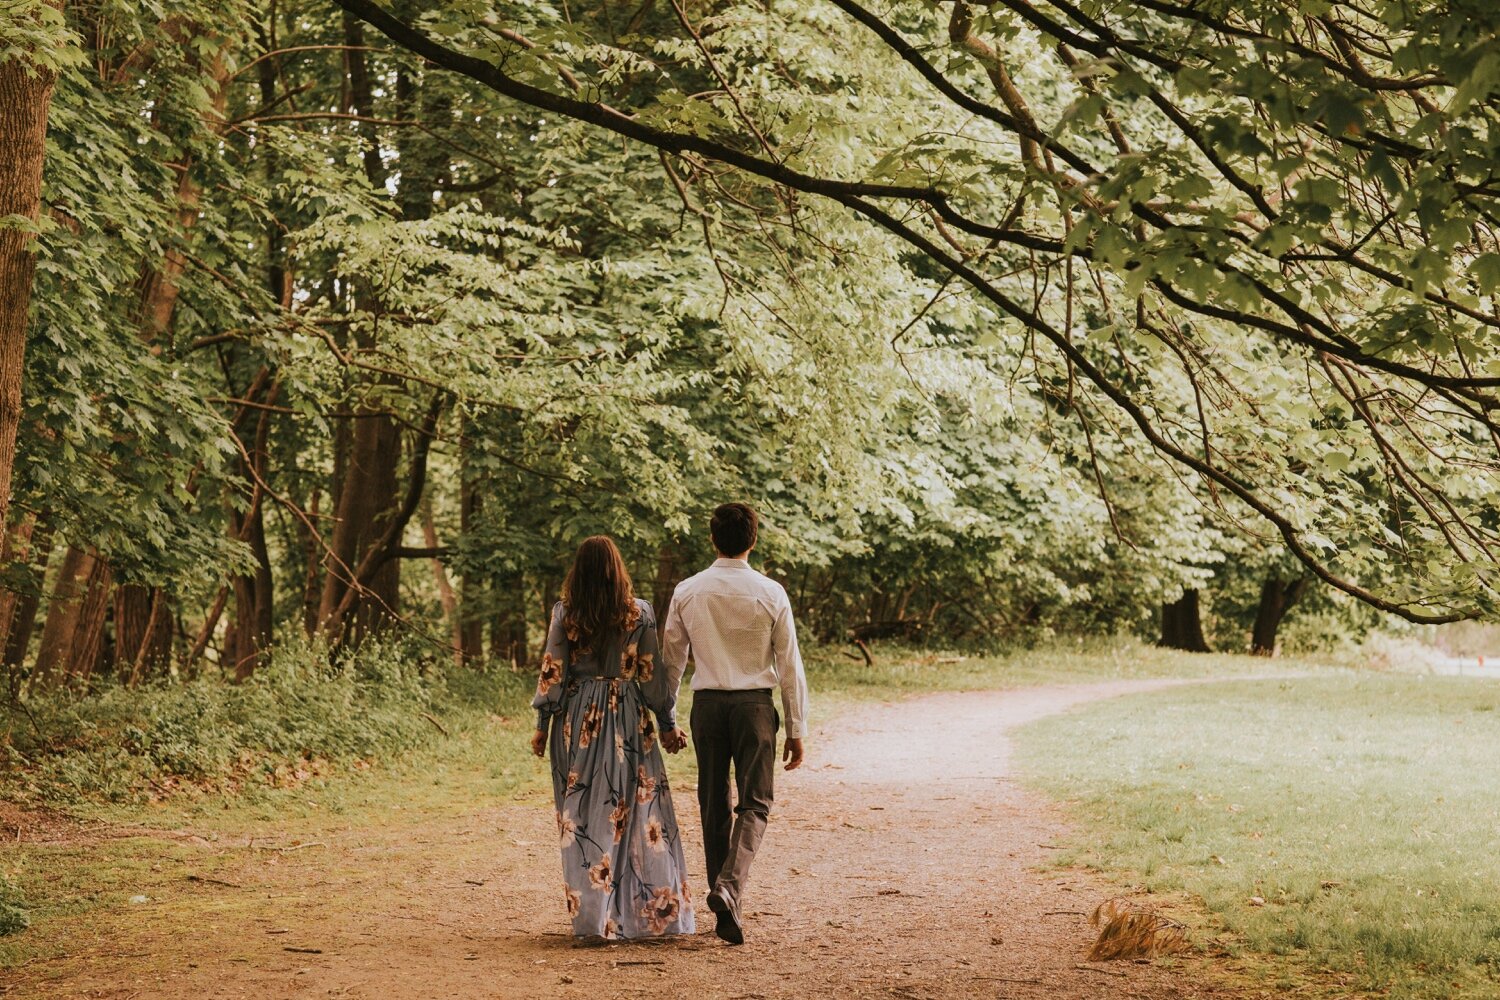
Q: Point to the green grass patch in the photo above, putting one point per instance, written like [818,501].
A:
[835,679]
[1342,824]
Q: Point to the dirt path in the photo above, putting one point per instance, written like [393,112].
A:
[902,862]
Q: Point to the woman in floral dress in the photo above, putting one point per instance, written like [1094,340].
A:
[604,705]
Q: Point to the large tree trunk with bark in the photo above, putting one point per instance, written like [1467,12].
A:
[1182,624]
[143,632]
[74,633]
[361,594]
[25,97]
[1276,598]
[367,504]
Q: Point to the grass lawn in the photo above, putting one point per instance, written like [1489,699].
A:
[1339,823]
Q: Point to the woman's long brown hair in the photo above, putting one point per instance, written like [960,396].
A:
[597,594]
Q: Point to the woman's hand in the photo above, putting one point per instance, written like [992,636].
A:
[539,743]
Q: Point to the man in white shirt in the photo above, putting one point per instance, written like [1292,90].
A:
[736,624]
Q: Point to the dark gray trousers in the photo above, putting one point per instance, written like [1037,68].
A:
[735,728]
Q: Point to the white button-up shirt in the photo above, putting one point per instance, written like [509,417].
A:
[736,624]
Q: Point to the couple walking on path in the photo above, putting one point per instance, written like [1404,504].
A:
[606,707]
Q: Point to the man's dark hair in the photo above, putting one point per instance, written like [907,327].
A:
[734,527]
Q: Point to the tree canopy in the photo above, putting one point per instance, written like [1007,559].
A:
[1316,182]
[1009,315]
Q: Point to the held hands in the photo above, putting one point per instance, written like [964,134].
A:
[792,753]
[539,743]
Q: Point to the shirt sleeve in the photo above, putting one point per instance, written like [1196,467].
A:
[658,688]
[675,650]
[789,671]
[550,684]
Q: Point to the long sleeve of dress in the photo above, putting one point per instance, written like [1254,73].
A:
[658,682]
[550,682]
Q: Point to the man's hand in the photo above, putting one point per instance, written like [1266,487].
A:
[539,743]
[792,754]
[673,740]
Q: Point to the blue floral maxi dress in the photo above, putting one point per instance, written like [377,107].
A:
[623,869]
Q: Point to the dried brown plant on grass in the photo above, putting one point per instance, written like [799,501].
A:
[1128,929]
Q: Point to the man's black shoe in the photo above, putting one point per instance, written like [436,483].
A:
[728,926]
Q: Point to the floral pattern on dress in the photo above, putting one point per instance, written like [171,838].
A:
[623,866]
[551,674]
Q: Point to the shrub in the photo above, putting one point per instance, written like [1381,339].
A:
[303,705]
[13,916]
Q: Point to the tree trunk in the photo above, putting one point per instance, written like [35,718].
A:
[1276,598]
[143,631]
[510,606]
[367,503]
[497,628]
[74,632]
[425,162]
[471,594]
[18,608]
[905,600]
[278,274]
[254,609]
[668,575]
[311,593]
[205,633]
[161,284]
[444,585]
[250,631]
[360,94]
[1182,624]
[15,554]
[365,604]
[25,96]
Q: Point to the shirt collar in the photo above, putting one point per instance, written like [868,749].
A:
[724,562]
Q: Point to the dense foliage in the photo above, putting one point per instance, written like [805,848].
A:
[1010,316]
